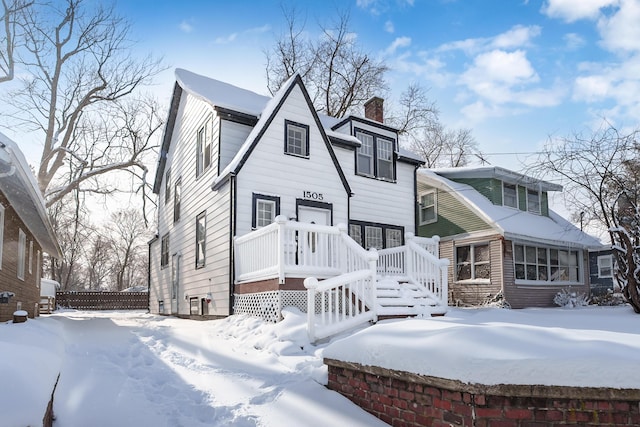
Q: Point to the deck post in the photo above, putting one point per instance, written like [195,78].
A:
[281,220]
[408,254]
[373,267]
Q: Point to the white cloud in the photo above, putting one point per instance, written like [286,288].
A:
[259,30]
[185,27]
[621,30]
[574,10]
[226,39]
[516,37]
[389,27]
[573,41]
[398,43]
[508,68]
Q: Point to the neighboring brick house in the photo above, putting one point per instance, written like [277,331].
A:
[25,233]
[500,236]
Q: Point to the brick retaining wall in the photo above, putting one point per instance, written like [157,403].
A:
[404,399]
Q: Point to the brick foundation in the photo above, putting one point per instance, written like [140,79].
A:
[403,399]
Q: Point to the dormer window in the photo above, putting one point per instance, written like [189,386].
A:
[296,139]
[510,195]
[375,156]
[533,201]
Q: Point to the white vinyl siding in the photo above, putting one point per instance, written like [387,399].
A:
[22,249]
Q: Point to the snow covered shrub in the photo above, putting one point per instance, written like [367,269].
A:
[570,299]
[612,297]
[496,301]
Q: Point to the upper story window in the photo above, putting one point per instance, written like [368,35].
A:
[177,199]
[265,210]
[533,201]
[164,251]
[296,139]
[22,251]
[473,262]
[428,212]
[167,186]
[510,195]
[375,156]
[203,150]
[605,266]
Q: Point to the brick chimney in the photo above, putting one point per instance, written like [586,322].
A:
[373,109]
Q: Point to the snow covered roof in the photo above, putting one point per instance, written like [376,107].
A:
[499,173]
[21,189]
[513,223]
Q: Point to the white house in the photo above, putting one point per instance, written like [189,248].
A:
[252,189]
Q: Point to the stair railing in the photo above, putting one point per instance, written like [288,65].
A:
[345,301]
[427,270]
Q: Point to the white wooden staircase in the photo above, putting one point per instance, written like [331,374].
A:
[398,298]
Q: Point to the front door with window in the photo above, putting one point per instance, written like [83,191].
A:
[313,248]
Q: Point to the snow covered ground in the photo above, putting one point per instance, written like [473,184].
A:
[136,369]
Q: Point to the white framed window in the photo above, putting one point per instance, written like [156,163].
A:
[355,232]
[167,186]
[473,262]
[177,200]
[373,237]
[605,266]
[393,237]
[364,154]
[428,211]
[510,195]
[164,251]
[533,201]
[30,256]
[296,139]
[541,264]
[22,252]
[265,210]
[201,239]
[384,151]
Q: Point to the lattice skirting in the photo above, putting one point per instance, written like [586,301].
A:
[268,305]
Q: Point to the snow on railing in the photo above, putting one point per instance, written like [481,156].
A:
[347,300]
[428,271]
[256,254]
[430,244]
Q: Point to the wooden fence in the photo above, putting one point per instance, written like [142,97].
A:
[103,300]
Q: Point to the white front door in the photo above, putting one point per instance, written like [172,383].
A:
[313,248]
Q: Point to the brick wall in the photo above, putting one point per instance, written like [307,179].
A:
[403,399]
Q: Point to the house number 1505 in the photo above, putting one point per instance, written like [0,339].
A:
[311,195]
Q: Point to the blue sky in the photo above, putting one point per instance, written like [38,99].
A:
[515,72]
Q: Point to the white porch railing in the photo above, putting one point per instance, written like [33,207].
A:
[418,262]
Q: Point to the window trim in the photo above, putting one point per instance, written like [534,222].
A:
[517,199]
[580,265]
[305,143]
[539,194]
[167,186]
[374,156]
[203,144]
[22,253]
[254,206]
[201,240]
[30,256]
[610,266]
[421,207]
[164,251]
[177,200]
[472,263]
[384,227]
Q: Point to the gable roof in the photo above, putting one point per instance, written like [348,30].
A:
[513,223]
[266,117]
[497,172]
[21,190]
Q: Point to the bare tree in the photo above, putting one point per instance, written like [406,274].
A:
[11,12]
[600,175]
[81,70]
[129,234]
[339,75]
[99,262]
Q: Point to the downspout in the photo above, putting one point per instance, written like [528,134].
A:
[232,234]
